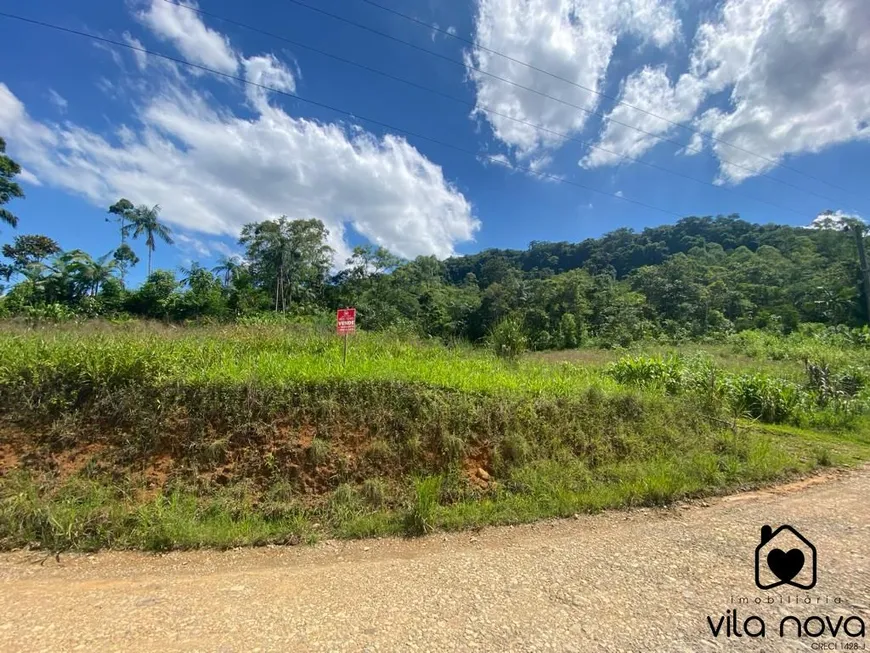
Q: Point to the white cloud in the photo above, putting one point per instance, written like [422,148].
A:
[804,83]
[836,220]
[266,70]
[186,31]
[57,100]
[628,132]
[499,159]
[212,171]
[694,146]
[141,57]
[798,81]
[28,177]
[191,244]
[437,30]
[573,39]
[618,193]
[540,163]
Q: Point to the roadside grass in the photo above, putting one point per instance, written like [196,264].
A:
[89,514]
[159,438]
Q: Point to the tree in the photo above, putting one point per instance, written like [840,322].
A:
[70,277]
[123,211]
[229,267]
[8,188]
[27,251]
[289,257]
[568,331]
[368,260]
[126,258]
[96,272]
[157,297]
[204,297]
[144,220]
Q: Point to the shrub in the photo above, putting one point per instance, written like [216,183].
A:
[379,452]
[568,334]
[515,448]
[318,451]
[831,386]
[420,518]
[374,491]
[508,340]
[643,371]
[765,398]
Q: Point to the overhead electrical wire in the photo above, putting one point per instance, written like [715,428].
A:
[323,105]
[483,108]
[691,148]
[525,64]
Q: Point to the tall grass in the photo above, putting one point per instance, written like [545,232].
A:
[156,437]
[824,398]
[270,356]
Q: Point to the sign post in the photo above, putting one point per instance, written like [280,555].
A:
[345,323]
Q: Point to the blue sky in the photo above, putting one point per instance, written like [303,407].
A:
[787,82]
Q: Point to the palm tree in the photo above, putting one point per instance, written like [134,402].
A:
[229,267]
[144,220]
[196,277]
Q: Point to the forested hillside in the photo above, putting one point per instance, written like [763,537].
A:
[699,277]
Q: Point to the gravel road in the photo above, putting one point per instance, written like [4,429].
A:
[642,580]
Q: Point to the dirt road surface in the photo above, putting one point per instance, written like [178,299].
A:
[642,580]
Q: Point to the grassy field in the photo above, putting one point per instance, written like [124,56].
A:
[144,436]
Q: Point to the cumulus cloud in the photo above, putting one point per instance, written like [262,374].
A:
[796,76]
[189,35]
[805,84]
[573,39]
[628,132]
[213,171]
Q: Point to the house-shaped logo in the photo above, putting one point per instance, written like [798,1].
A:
[784,557]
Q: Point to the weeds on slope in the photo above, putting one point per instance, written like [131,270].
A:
[250,435]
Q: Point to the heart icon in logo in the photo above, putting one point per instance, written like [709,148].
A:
[785,565]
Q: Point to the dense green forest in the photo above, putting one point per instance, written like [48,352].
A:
[701,277]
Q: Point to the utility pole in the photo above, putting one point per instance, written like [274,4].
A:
[858,229]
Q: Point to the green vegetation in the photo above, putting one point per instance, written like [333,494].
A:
[213,409]
[9,190]
[149,436]
[703,278]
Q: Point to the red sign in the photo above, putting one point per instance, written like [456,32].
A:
[345,320]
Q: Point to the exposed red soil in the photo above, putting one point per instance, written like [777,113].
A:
[279,452]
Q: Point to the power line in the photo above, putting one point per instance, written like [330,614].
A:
[484,108]
[598,93]
[323,105]
[551,97]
